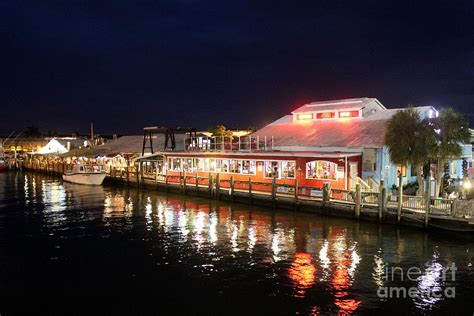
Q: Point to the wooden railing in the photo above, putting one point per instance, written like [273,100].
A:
[215,187]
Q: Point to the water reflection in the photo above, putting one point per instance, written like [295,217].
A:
[302,272]
[334,264]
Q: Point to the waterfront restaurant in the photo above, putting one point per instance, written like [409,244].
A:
[338,142]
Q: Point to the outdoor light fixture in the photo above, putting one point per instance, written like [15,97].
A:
[467,185]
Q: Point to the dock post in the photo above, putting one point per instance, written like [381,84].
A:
[326,194]
[197,184]
[184,183]
[218,186]
[358,199]
[250,190]
[296,191]
[232,187]
[128,172]
[210,184]
[273,190]
[400,197]
[427,200]
[382,199]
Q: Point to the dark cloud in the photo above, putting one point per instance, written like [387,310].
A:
[126,64]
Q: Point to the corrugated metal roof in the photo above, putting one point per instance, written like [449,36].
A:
[336,105]
[367,132]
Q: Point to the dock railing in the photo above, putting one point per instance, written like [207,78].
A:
[229,143]
[215,187]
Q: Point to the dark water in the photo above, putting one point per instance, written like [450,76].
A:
[131,250]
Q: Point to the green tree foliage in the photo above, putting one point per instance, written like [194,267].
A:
[446,177]
[451,130]
[219,130]
[409,140]
[416,141]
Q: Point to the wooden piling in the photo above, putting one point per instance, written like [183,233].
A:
[250,188]
[232,187]
[185,190]
[274,191]
[382,201]
[427,200]
[358,199]
[197,184]
[210,184]
[326,194]
[218,187]
[400,197]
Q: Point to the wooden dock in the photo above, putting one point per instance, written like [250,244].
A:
[370,206]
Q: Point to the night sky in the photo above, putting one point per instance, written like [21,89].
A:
[129,64]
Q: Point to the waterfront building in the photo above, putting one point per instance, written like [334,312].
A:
[339,142]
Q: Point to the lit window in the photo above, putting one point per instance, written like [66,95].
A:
[272,169]
[222,165]
[188,164]
[175,164]
[288,169]
[320,169]
[248,166]
[346,114]
[198,164]
[304,116]
[234,166]
[211,165]
[325,115]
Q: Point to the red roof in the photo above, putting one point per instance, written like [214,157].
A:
[356,133]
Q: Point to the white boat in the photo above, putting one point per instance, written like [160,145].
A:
[85,174]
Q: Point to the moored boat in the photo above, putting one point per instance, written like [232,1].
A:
[3,164]
[85,174]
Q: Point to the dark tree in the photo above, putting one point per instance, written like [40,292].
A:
[32,132]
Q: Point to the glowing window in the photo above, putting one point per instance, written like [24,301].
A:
[288,169]
[198,164]
[344,114]
[187,164]
[321,169]
[211,165]
[248,166]
[304,116]
[325,115]
[234,166]
[272,169]
[222,165]
[175,164]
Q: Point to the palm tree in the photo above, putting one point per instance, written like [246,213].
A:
[452,130]
[409,140]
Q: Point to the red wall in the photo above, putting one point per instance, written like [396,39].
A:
[259,177]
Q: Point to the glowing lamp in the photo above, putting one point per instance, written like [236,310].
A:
[467,185]
[304,116]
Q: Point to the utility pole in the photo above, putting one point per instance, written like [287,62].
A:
[92,133]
